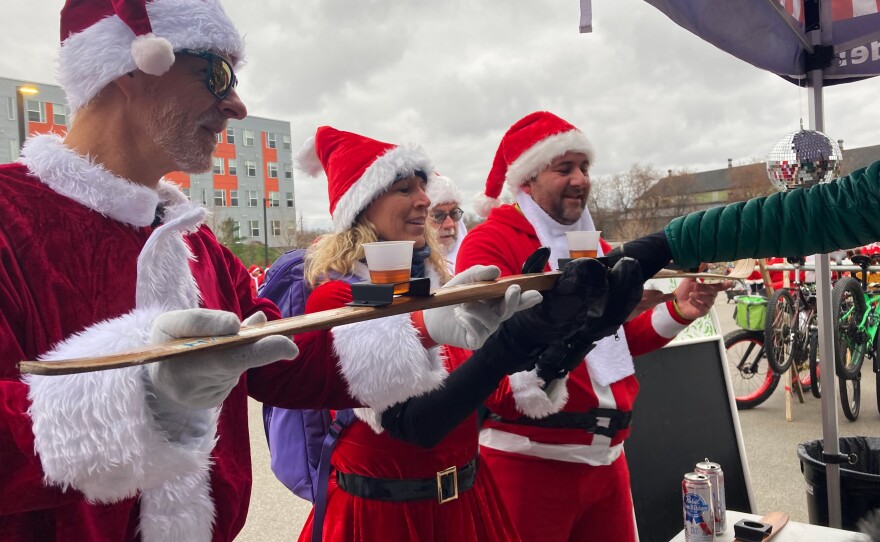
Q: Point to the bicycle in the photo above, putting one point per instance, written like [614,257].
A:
[855,335]
[752,379]
[791,331]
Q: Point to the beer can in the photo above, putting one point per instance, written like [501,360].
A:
[716,477]
[699,513]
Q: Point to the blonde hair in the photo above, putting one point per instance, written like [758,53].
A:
[340,252]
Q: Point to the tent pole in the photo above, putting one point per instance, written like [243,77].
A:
[830,431]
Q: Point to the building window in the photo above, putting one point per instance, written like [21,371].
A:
[276,228]
[36,111]
[273,169]
[59,114]
[10,108]
[251,167]
[186,192]
[220,198]
[274,199]
[254,227]
[252,198]
[288,171]
[248,138]
[230,136]
[219,137]
[204,197]
[289,199]
[218,166]
[236,230]
[285,142]
[233,198]
[270,141]
[233,167]
[291,228]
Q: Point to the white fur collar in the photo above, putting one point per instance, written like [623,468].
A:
[84,181]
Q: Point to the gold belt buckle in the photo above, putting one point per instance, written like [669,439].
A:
[451,471]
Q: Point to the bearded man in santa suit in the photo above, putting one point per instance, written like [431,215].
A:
[554,439]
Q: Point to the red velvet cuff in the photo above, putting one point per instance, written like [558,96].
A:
[418,320]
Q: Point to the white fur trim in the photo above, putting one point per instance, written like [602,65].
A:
[533,401]
[376,179]
[91,59]
[181,511]
[94,431]
[85,182]
[153,55]
[307,160]
[483,204]
[383,361]
[539,156]
[610,361]
[164,278]
[89,184]
[442,190]
[664,323]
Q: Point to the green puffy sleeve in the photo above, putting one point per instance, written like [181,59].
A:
[841,214]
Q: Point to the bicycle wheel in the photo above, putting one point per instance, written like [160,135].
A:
[778,330]
[850,341]
[816,388]
[850,397]
[751,377]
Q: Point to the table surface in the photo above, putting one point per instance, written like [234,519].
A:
[792,532]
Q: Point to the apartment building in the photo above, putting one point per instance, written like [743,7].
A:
[251,183]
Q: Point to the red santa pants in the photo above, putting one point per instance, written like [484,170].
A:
[557,501]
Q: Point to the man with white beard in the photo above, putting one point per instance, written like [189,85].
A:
[447,216]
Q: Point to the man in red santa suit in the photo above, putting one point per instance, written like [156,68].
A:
[101,255]
[555,447]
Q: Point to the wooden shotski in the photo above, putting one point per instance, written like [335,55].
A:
[291,326]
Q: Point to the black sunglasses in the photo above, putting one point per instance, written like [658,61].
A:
[220,77]
[440,216]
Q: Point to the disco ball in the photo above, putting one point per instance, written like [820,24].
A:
[803,159]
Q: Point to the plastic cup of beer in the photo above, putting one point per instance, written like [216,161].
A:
[389,262]
[583,244]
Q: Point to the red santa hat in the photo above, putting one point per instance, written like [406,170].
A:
[359,169]
[526,149]
[104,39]
[442,190]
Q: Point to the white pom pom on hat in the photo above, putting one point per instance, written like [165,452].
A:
[153,55]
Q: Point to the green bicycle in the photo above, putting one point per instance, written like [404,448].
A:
[856,314]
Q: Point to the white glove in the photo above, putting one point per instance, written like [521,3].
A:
[203,380]
[468,325]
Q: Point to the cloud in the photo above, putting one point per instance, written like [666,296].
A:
[453,76]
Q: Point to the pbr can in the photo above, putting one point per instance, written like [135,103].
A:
[716,477]
[699,513]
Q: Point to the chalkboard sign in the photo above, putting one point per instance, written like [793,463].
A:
[684,414]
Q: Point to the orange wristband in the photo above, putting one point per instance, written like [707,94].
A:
[418,320]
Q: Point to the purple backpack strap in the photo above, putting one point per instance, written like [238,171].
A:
[343,420]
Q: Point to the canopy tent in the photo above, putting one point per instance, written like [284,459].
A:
[811,43]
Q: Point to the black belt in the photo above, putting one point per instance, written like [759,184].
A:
[444,487]
[601,421]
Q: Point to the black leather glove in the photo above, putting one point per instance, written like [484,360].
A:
[651,251]
[625,291]
[581,292]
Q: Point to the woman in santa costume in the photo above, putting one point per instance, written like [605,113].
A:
[407,468]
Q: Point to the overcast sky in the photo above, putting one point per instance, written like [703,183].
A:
[453,75]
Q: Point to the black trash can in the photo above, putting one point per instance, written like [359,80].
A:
[859,483]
